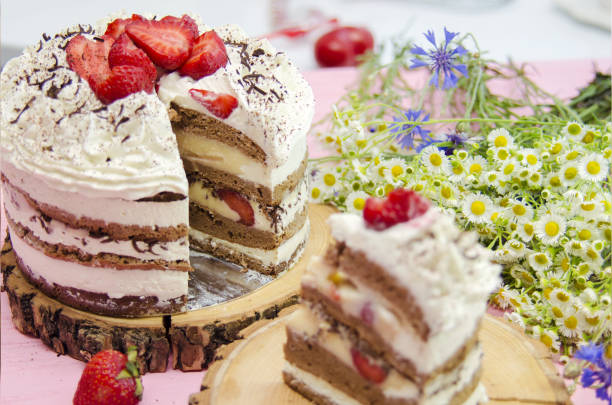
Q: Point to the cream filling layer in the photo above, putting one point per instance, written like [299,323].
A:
[55,232]
[291,205]
[325,389]
[117,210]
[440,389]
[276,256]
[163,284]
[220,156]
[320,386]
[395,331]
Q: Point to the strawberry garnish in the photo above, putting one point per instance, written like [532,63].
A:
[124,52]
[367,369]
[121,82]
[168,43]
[117,27]
[220,105]
[89,57]
[207,56]
[110,377]
[185,21]
[400,206]
[238,204]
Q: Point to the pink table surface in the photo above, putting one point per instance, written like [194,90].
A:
[33,374]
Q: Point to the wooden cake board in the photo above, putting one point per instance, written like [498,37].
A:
[192,337]
[516,370]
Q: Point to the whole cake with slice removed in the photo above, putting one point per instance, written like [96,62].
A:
[123,141]
[390,315]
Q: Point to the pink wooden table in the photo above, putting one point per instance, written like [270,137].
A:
[33,374]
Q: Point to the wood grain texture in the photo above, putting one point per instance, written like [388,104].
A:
[192,337]
[517,370]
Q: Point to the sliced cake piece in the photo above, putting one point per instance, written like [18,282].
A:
[242,134]
[390,314]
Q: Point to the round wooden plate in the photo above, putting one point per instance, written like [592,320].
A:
[192,337]
[516,370]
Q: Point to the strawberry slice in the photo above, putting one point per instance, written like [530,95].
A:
[122,81]
[368,370]
[373,213]
[185,21]
[89,58]
[207,56]
[400,206]
[168,43]
[124,52]
[238,204]
[117,27]
[220,105]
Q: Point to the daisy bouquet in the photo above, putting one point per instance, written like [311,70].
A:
[530,175]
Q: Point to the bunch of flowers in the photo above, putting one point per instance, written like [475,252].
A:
[536,189]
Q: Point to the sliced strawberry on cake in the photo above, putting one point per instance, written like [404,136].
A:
[220,105]
[124,52]
[117,27]
[238,204]
[89,57]
[207,56]
[168,43]
[121,82]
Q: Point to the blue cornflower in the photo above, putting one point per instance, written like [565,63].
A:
[441,59]
[455,141]
[599,373]
[405,133]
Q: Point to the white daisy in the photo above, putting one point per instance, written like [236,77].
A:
[569,325]
[589,320]
[549,228]
[573,129]
[535,179]
[583,230]
[500,138]
[550,339]
[501,155]
[557,147]
[560,297]
[569,173]
[355,201]
[589,135]
[526,231]
[435,160]
[539,261]
[477,208]
[531,158]
[589,210]
[476,165]
[448,194]
[593,167]
[553,181]
[509,169]
[397,168]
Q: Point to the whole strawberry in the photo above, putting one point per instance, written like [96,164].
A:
[110,378]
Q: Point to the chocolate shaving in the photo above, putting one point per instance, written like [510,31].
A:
[78,109]
[140,108]
[258,52]
[98,39]
[46,36]
[121,121]
[125,138]
[276,94]
[39,46]
[99,109]
[27,105]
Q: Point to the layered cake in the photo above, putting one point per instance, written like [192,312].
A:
[100,198]
[390,314]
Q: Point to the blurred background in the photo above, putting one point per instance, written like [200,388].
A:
[526,30]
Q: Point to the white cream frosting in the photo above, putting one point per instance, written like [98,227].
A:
[163,284]
[111,210]
[55,128]
[275,103]
[439,390]
[290,206]
[55,232]
[447,272]
[276,256]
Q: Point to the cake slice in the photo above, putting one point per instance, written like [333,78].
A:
[390,315]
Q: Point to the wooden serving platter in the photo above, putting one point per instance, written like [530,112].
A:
[516,369]
[191,337]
